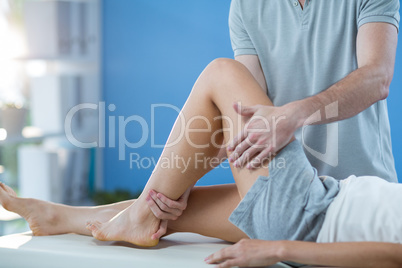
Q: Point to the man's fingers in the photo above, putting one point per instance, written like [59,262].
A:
[160,204]
[157,211]
[260,159]
[248,156]
[244,110]
[171,203]
[165,208]
[238,152]
[237,140]
[153,206]
[161,231]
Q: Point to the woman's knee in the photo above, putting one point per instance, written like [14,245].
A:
[223,67]
[222,76]
[222,72]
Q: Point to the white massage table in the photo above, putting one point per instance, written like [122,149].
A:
[178,250]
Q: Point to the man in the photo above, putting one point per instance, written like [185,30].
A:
[321,62]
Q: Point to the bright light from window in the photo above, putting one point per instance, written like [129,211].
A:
[3,134]
[1,169]
[12,44]
[36,68]
[31,132]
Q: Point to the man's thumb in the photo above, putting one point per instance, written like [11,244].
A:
[244,110]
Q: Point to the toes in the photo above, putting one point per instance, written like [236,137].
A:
[95,227]
[8,189]
[4,196]
[3,188]
[92,226]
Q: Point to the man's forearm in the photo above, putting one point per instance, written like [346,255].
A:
[350,96]
[353,254]
[375,49]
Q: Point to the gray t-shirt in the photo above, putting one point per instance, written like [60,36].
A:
[303,52]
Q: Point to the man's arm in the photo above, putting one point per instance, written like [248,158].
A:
[352,254]
[376,49]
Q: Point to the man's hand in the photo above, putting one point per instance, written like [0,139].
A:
[166,209]
[267,130]
[247,253]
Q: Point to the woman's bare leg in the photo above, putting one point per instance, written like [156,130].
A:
[208,208]
[207,213]
[46,218]
[221,84]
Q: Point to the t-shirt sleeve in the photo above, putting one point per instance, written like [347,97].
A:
[379,11]
[241,42]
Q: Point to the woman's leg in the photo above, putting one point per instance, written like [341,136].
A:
[208,208]
[209,109]
[46,218]
[207,213]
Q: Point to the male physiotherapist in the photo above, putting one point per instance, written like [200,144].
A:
[325,63]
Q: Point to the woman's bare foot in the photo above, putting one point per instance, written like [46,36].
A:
[41,216]
[135,225]
[46,218]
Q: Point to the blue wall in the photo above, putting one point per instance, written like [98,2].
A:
[395,110]
[153,51]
